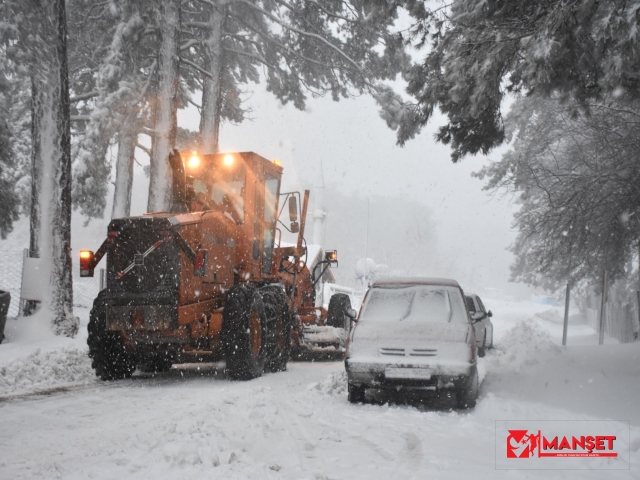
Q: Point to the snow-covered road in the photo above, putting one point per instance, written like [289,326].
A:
[299,425]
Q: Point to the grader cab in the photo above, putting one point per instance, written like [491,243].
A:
[205,281]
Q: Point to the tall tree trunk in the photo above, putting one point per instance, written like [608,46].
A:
[127,140]
[210,116]
[165,127]
[51,192]
[36,171]
[31,306]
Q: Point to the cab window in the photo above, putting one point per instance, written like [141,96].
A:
[271,187]
[228,190]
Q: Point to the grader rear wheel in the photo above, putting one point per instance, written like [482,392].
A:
[243,331]
[110,359]
[279,327]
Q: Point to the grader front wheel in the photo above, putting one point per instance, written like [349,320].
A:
[243,331]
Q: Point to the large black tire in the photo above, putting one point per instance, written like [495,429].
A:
[339,304]
[278,327]
[244,333]
[110,359]
[356,393]
[467,389]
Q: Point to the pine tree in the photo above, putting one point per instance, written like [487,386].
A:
[165,106]
[116,78]
[480,50]
[576,179]
[37,31]
[9,200]
[303,47]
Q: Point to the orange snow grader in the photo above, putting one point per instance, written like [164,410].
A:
[204,281]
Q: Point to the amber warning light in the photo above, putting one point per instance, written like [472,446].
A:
[228,160]
[331,256]
[86,263]
[194,160]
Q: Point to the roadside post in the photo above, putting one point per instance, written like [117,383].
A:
[638,318]
[566,315]
[603,303]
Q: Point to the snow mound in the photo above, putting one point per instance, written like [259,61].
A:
[334,384]
[46,369]
[521,346]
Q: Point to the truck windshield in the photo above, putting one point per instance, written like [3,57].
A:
[226,189]
[422,304]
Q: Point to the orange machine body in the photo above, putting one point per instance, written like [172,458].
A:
[230,212]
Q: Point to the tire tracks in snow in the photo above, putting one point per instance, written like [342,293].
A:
[291,424]
[407,460]
[404,463]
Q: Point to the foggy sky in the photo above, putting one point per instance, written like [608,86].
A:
[357,153]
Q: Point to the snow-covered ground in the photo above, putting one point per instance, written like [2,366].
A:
[57,421]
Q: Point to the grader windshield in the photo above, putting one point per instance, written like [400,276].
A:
[220,184]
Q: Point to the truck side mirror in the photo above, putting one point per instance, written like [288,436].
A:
[293,209]
[293,214]
[86,263]
[200,263]
[489,314]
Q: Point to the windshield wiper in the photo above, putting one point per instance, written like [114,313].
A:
[410,309]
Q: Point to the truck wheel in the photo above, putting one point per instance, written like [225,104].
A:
[481,350]
[244,333]
[337,311]
[356,393]
[467,389]
[111,361]
[278,328]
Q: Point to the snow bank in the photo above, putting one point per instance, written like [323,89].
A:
[582,380]
[334,384]
[70,365]
[32,357]
[521,346]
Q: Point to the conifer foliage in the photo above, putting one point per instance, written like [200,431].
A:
[479,50]
[577,180]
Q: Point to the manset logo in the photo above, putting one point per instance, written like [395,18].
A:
[525,444]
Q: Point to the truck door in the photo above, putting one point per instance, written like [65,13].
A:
[271,192]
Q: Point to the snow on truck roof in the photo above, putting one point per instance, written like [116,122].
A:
[446,282]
